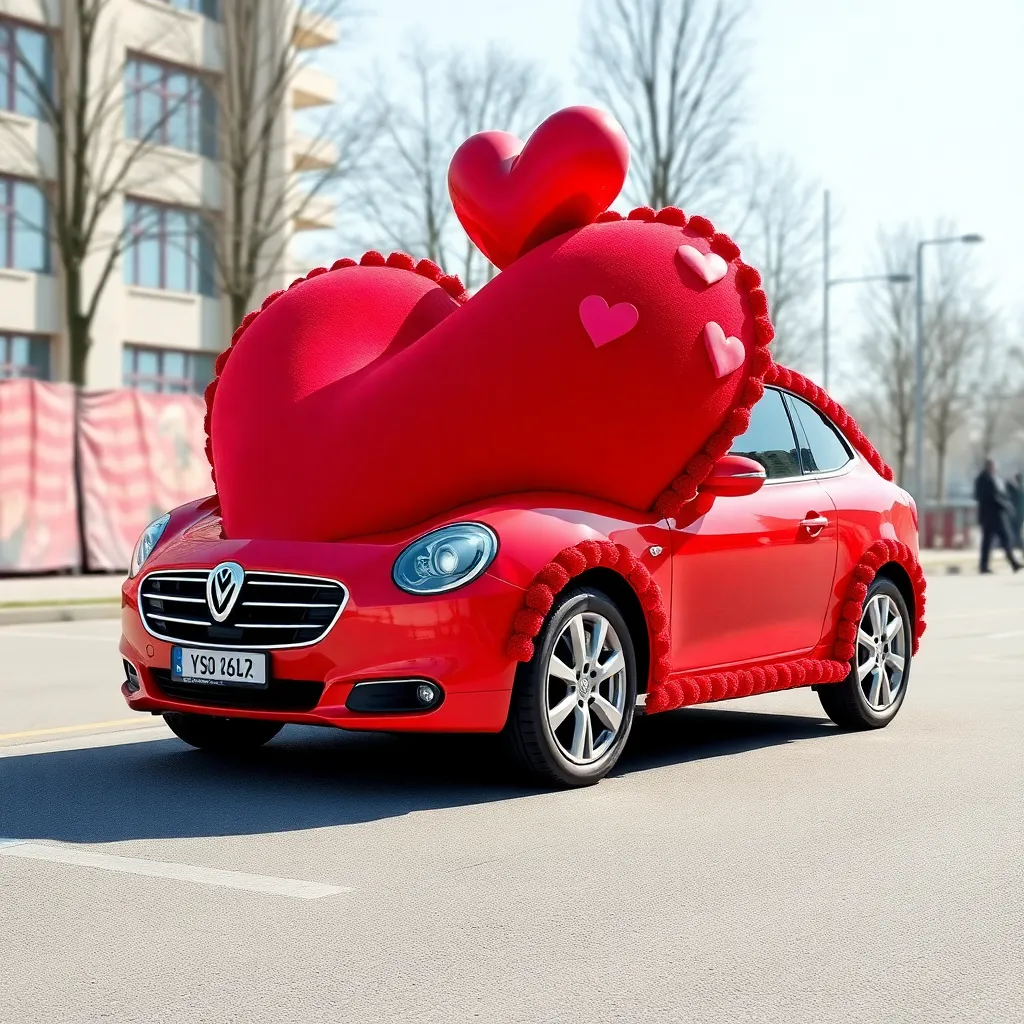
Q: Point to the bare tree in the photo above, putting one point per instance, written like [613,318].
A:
[957,323]
[671,71]
[78,97]
[779,234]
[999,403]
[957,343]
[887,349]
[405,198]
[495,92]
[272,175]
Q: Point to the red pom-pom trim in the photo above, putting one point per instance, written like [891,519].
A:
[882,552]
[682,691]
[570,562]
[724,246]
[684,487]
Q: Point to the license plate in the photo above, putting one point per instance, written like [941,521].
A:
[218,668]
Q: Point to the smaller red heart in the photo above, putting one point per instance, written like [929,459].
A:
[510,197]
[709,267]
[604,323]
[727,354]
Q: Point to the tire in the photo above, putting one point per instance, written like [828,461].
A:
[222,735]
[859,703]
[548,726]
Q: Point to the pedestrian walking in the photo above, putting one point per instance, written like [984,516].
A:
[993,513]
[1015,492]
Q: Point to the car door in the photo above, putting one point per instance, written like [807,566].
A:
[752,575]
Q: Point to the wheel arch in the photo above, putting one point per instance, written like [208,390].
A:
[896,562]
[624,597]
[615,570]
[901,578]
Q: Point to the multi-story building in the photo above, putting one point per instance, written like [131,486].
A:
[160,321]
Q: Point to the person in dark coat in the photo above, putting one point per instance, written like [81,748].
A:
[1015,492]
[993,511]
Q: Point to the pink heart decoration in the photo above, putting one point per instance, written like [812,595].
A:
[709,267]
[727,354]
[604,323]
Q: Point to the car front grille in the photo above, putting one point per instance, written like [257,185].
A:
[278,695]
[273,610]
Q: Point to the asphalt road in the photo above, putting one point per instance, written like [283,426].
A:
[746,862]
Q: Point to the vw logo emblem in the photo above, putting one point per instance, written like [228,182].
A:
[223,586]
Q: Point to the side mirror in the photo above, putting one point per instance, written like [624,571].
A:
[734,475]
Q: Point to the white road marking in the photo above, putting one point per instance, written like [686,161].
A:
[75,741]
[980,614]
[267,884]
[61,730]
[24,634]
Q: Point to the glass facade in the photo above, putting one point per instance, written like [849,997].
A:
[209,8]
[24,226]
[26,68]
[169,106]
[24,355]
[168,247]
[166,371]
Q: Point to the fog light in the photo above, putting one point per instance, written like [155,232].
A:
[425,694]
[131,676]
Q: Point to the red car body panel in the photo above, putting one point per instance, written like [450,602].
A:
[456,639]
[744,578]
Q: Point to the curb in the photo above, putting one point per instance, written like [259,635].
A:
[59,613]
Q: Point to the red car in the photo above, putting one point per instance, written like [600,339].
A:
[437,629]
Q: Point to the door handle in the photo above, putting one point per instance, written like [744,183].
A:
[814,523]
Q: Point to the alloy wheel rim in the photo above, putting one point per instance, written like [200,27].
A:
[881,653]
[586,688]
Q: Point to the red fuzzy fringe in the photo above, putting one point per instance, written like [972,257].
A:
[682,691]
[397,260]
[570,562]
[684,487]
[666,694]
[882,552]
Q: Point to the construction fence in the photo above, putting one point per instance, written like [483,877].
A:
[138,455]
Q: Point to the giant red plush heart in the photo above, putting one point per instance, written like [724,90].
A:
[367,398]
[510,197]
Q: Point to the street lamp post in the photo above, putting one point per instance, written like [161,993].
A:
[831,282]
[971,239]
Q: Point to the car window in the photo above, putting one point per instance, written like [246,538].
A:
[769,438]
[822,450]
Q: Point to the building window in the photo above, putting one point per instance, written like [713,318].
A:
[24,355]
[166,371]
[25,68]
[169,106]
[167,247]
[209,8]
[24,226]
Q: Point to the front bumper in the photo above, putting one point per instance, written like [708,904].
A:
[456,640]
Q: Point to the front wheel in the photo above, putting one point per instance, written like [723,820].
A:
[221,735]
[573,702]
[873,692]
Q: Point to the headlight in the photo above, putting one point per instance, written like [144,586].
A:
[150,535]
[445,559]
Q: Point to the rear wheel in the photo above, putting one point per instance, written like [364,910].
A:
[572,707]
[221,735]
[873,692]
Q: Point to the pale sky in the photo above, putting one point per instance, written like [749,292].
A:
[904,109]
